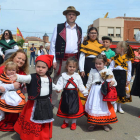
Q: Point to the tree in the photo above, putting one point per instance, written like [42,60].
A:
[20,42]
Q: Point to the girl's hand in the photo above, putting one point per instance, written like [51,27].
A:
[127,83]
[82,74]
[2,89]
[111,83]
[13,77]
[58,91]
[16,85]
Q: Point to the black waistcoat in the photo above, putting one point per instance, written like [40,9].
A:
[34,87]
[60,44]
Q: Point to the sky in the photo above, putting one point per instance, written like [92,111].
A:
[37,17]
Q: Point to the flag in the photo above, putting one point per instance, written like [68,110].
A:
[19,33]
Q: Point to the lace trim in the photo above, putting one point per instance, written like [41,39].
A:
[38,121]
[98,115]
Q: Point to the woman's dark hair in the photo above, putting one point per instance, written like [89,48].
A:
[72,59]
[10,35]
[101,56]
[87,37]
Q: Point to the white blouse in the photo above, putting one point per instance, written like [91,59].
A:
[112,67]
[94,77]
[7,86]
[82,60]
[62,81]
[44,83]
[15,47]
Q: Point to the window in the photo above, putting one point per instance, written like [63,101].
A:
[118,32]
[135,31]
[110,31]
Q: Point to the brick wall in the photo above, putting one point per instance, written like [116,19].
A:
[129,27]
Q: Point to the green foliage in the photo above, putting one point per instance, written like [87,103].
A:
[20,42]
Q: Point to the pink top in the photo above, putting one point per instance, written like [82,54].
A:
[136,54]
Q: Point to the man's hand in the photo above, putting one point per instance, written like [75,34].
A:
[16,85]
[82,74]
[54,65]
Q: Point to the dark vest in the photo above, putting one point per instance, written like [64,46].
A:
[34,87]
[60,44]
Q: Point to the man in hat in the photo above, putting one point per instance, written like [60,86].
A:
[65,43]
[32,54]
[107,42]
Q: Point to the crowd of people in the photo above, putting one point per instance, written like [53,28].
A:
[91,78]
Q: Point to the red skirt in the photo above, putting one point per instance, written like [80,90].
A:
[29,130]
[79,114]
[104,120]
[8,123]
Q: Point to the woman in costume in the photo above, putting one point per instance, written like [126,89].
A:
[35,120]
[135,90]
[20,58]
[89,50]
[6,43]
[121,66]
[41,51]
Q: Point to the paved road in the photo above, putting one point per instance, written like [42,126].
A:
[127,128]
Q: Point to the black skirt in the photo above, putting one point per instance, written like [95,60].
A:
[89,63]
[135,90]
[120,76]
[70,101]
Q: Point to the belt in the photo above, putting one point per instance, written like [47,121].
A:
[98,83]
[66,56]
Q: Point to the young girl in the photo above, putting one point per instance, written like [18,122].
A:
[98,111]
[12,100]
[121,67]
[35,121]
[70,106]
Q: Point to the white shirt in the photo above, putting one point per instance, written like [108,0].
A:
[112,66]
[94,77]
[82,60]
[44,83]
[15,47]
[62,81]
[71,40]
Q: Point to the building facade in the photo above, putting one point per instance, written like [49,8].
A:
[110,27]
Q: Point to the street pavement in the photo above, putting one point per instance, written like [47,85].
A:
[127,128]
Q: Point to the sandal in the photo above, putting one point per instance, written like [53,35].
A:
[106,128]
[91,127]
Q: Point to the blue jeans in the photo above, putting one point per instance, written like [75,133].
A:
[32,56]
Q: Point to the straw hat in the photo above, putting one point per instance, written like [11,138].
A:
[71,9]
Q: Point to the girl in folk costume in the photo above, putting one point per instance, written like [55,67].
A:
[98,111]
[121,66]
[12,100]
[35,121]
[89,50]
[70,106]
